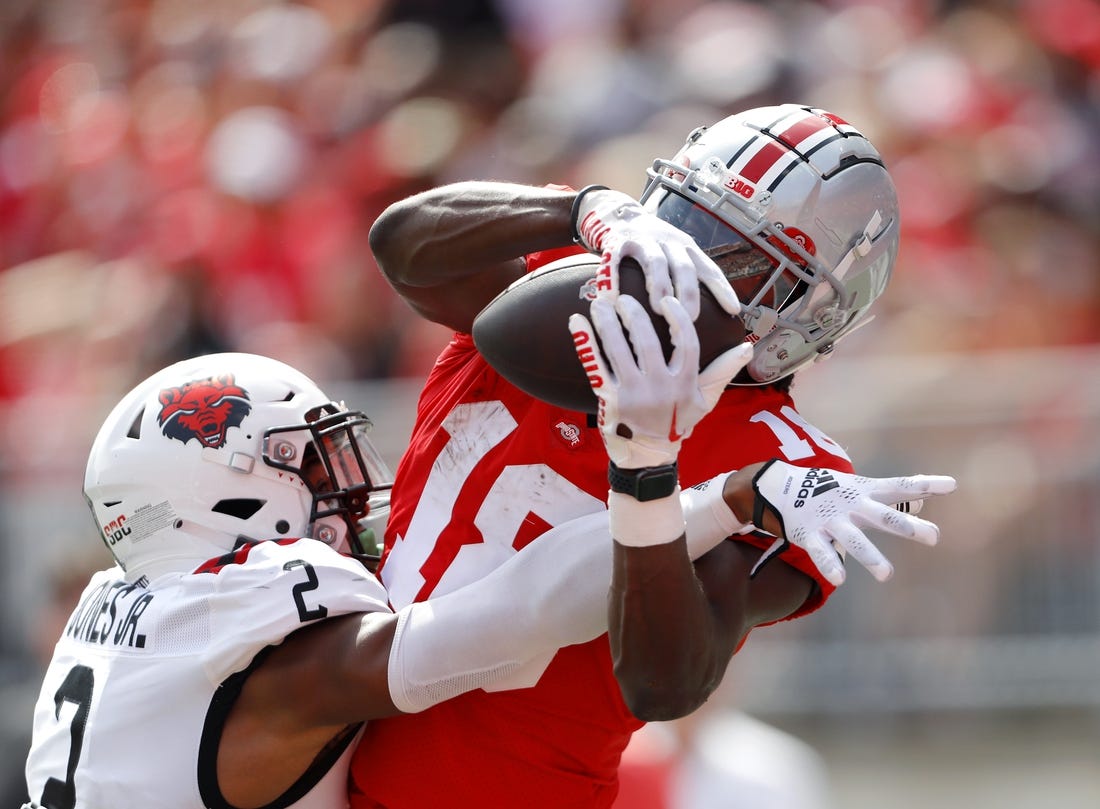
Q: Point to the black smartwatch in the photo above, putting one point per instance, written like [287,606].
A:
[647,483]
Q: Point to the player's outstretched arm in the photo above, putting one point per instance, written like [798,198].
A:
[500,631]
[449,250]
[554,593]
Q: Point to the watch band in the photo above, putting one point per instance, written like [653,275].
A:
[647,483]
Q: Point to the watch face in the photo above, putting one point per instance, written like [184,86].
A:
[650,483]
[654,484]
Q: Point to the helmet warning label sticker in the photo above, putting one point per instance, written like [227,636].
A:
[147,520]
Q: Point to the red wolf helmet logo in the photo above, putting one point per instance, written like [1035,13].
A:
[204,409]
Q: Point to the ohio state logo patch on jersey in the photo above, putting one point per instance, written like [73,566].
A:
[204,410]
[569,433]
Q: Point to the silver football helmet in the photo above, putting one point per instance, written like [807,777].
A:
[226,449]
[795,205]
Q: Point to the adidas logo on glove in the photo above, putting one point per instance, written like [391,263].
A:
[817,481]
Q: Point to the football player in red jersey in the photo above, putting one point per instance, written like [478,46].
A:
[790,208]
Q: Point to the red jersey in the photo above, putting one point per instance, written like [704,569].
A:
[489,469]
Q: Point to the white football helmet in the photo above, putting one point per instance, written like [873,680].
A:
[795,205]
[226,449]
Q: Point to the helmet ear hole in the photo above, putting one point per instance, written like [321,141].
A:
[135,428]
[241,508]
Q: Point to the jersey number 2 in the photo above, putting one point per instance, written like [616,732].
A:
[306,613]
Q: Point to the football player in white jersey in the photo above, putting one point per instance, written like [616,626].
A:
[231,656]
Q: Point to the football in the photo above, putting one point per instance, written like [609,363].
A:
[524,332]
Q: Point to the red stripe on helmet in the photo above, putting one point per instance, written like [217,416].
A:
[803,130]
[762,161]
[836,119]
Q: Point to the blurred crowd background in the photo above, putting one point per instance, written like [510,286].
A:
[185,176]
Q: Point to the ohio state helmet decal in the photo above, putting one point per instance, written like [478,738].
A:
[204,409]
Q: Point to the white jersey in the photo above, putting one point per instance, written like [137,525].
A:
[135,697]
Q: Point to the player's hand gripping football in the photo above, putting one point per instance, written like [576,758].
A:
[824,512]
[616,226]
[647,406]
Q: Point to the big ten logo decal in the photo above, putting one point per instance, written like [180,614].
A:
[740,187]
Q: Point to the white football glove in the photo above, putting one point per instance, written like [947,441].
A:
[823,512]
[615,226]
[647,406]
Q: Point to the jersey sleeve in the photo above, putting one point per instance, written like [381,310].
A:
[266,591]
